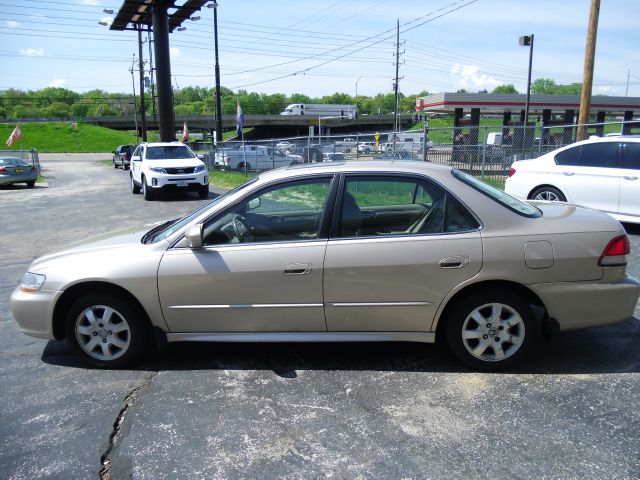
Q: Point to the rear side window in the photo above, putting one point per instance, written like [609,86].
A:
[631,155]
[603,155]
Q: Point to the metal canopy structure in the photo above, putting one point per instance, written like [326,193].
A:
[154,15]
[138,12]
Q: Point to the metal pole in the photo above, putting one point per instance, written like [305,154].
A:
[151,74]
[526,106]
[161,47]
[135,106]
[217,67]
[396,127]
[143,111]
[626,91]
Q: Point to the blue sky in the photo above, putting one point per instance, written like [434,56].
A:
[318,48]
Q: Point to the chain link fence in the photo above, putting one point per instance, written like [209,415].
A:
[485,151]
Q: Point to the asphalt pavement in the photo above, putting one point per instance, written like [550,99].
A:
[291,411]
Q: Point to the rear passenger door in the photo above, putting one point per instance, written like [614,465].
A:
[630,179]
[399,244]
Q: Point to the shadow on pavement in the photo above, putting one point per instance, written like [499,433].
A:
[596,351]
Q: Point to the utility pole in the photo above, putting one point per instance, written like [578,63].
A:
[587,76]
[396,120]
[151,74]
[135,106]
[143,111]
[626,90]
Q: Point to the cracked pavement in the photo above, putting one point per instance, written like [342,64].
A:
[291,411]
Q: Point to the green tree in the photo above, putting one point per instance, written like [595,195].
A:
[508,88]
[58,110]
[550,87]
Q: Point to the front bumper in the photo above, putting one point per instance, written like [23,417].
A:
[34,311]
[188,182]
[577,305]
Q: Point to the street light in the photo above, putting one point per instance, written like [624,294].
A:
[527,41]
[214,5]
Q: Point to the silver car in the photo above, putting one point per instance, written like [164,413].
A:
[350,251]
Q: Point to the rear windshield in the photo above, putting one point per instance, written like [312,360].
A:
[169,152]
[499,196]
[13,161]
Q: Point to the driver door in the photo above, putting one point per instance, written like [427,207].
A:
[260,268]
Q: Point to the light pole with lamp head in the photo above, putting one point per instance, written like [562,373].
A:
[214,5]
[527,41]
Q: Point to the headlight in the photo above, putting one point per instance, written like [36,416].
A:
[157,169]
[32,282]
[200,168]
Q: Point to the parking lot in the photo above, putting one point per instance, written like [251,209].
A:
[285,410]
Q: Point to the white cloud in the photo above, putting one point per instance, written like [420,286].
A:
[91,3]
[32,52]
[604,89]
[175,53]
[107,20]
[57,82]
[469,78]
[12,24]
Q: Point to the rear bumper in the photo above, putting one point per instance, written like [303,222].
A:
[576,305]
[19,178]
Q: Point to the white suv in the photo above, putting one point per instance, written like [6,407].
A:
[157,167]
[600,173]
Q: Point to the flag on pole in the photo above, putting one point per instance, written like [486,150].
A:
[185,133]
[15,136]
[239,118]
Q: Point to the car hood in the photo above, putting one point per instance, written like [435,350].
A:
[112,241]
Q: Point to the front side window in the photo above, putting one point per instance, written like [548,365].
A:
[631,155]
[382,206]
[292,211]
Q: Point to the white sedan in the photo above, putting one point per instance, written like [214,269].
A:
[600,173]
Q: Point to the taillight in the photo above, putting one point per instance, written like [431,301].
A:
[512,171]
[33,170]
[3,170]
[615,253]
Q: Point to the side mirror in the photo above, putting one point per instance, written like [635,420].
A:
[194,236]
[200,156]
[135,159]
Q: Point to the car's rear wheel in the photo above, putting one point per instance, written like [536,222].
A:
[146,191]
[135,189]
[31,183]
[491,331]
[550,194]
[106,330]
[242,166]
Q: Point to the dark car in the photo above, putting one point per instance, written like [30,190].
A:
[311,154]
[16,170]
[122,156]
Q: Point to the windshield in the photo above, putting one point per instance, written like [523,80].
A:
[166,229]
[169,152]
[499,196]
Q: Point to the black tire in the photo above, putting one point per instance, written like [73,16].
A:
[115,165]
[241,167]
[203,192]
[135,189]
[503,337]
[550,194]
[31,183]
[113,336]
[146,191]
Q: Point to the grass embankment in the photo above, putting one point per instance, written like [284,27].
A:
[58,137]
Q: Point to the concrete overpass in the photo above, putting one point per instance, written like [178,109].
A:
[265,126]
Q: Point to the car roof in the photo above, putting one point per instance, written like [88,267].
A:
[164,144]
[357,166]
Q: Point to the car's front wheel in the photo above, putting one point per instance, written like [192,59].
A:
[106,330]
[146,191]
[491,331]
[135,189]
[550,194]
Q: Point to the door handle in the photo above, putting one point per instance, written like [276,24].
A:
[454,262]
[297,269]
[630,177]
[568,174]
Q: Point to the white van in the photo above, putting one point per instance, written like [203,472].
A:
[321,110]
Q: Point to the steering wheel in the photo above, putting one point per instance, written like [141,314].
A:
[241,227]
